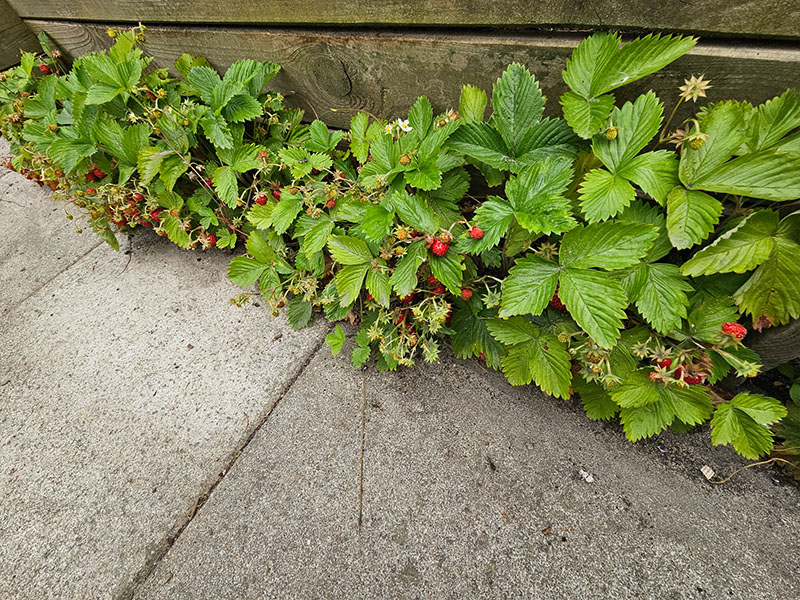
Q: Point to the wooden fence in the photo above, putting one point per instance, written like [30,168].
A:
[380,56]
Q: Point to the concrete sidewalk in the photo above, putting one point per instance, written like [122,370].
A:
[157,442]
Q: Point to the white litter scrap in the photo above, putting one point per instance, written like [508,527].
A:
[587,477]
[708,472]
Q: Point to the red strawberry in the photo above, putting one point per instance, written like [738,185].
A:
[146,224]
[557,303]
[431,280]
[155,215]
[408,299]
[734,330]
[330,203]
[137,197]
[150,95]
[466,294]
[45,69]
[211,239]
[209,182]
[439,247]
[665,363]
[439,289]
[276,194]
[99,173]
[91,191]
[90,176]
[263,154]
[476,233]
[261,199]
[693,379]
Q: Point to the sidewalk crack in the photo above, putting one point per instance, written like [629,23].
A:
[163,547]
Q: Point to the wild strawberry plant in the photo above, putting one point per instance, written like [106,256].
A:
[613,256]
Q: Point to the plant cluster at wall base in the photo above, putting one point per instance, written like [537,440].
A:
[617,255]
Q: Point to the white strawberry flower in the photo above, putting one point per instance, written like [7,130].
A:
[403,124]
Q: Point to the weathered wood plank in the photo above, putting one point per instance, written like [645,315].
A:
[14,36]
[385,72]
[765,18]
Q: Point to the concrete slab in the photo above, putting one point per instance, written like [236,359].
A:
[124,393]
[36,241]
[472,489]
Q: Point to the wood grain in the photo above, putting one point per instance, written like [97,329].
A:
[14,36]
[384,72]
[762,18]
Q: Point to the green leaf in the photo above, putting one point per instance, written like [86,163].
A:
[518,104]
[170,170]
[299,312]
[316,237]
[216,129]
[259,249]
[261,216]
[226,185]
[774,119]
[348,250]
[378,285]
[426,177]
[472,104]
[743,422]
[243,158]
[543,360]
[149,162]
[596,302]
[595,399]
[494,217]
[725,128]
[536,195]
[637,390]
[662,300]
[739,249]
[636,124]
[414,211]
[655,172]
[598,65]
[586,116]
[768,174]
[471,338]
[285,212]
[448,270]
[550,365]
[691,216]
[609,245]
[349,281]
[705,322]
[377,223]
[773,291]
[646,421]
[245,271]
[68,153]
[335,340]
[529,286]
[241,108]
[482,142]
[549,138]
[359,145]
[515,330]
[100,93]
[603,195]
[404,278]
[420,118]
